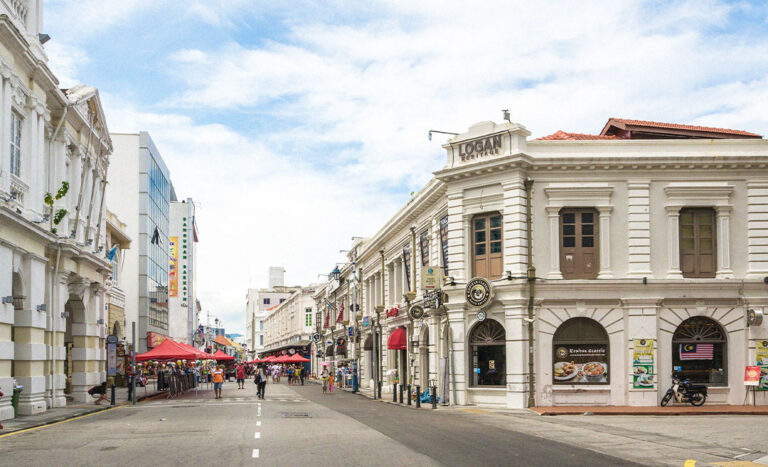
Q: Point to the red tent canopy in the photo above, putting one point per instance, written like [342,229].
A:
[281,359]
[200,354]
[220,356]
[398,339]
[296,358]
[167,350]
[268,359]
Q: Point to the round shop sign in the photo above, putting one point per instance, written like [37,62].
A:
[561,352]
[111,339]
[416,312]
[479,292]
[481,315]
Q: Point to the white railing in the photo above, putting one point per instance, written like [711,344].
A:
[18,190]
[19,8]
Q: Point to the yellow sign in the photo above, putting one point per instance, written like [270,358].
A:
[431,278]
[762,352]
[173,267]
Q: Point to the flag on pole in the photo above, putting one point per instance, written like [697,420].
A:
[112,253]
[340,318]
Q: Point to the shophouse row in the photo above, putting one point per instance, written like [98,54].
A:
[648,257]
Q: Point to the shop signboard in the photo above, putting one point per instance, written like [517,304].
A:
[111,358]
[643,376]
[431,278]
[761,352]
[580,364]
[752,376]
[366,321]
[173,273]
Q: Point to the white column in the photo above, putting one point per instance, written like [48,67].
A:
[553,212]
[723,240]
[457,228]
[673,242]
[639,228]
[604,236]
[42,170]
[5,132]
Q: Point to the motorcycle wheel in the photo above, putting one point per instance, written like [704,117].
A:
[698,399]
[665,400]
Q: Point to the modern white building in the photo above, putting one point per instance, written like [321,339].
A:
[258,303]
[647,258]
[139,173]
[290,324]
[182,297]
[54,157]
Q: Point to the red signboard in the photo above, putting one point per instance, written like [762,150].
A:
[752,376]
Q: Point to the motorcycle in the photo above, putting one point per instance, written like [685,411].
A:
[684,391]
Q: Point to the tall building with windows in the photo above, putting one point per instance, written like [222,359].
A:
[182,304]
[580,269]
[55,153]
[140,172]
[258,304]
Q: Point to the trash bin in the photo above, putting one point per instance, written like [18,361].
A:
[15,401]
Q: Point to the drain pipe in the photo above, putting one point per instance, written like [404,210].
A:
[52,320]
[50,149]
[531,276]
[379,309]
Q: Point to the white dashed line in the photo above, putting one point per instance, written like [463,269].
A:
[258,423]
[257,435]
[255,453]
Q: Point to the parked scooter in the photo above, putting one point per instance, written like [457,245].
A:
[684,391]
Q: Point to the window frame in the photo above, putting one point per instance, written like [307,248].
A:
[676,341]
[578,250]
[17,134]
[581,339]
[697,252]
[474,344]
[491,258]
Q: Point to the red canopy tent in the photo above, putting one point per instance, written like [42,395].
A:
[167,350]
[200,354]
[281,359]
[220,356]
[268,359]
[296,358]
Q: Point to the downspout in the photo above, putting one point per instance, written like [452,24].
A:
[50,148]
[410,319]
[93,192]
[51,317]
[82,181]
[379,309]
[531,276]
[101,213]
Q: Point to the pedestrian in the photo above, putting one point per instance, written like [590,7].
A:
[240,373]
[101,390]
[330,383]
[262,386]
[218,381]
[302,375]
[325,376]
[340,377]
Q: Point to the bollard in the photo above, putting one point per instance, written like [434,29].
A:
[401,393]
[112,401]
[409,394]
[433,396]
[418,396]
[394,392]
[379,385]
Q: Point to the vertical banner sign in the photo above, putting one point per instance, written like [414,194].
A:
[444,242]
[173,273]
[761,352]
[407,261]
[642,364]
[424,245]
[111,359]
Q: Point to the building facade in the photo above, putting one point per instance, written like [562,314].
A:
[258,303]
[54,158]
[290,324]
[182,303]
[647,258]
[141,172]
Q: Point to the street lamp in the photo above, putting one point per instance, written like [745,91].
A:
[335,273]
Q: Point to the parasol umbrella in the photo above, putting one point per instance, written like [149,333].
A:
[325,364]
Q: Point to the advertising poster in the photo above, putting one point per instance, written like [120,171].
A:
[173,273]
[111,359]
[751,375]
[643,376]
[580,364]
[761,352]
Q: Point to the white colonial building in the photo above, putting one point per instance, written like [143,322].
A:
[290,324]
[54,159]
[649,249]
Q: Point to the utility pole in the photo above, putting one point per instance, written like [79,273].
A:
[133,362]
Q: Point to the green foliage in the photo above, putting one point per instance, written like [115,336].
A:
[63,190]
[59,216]
[49,200]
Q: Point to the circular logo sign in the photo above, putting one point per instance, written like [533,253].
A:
[111,339]
[561,352]
[416,312]
[478,292]
[316,337]
[481,315]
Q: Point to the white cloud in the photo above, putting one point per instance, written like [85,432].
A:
[65,61]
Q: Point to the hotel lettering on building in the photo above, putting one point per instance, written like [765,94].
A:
[649,250]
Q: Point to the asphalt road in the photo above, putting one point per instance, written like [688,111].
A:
[293,426]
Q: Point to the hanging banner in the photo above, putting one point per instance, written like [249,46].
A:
[444,242]
[173,273]
[424,245]
[642,364]
[407,262]
[761,353]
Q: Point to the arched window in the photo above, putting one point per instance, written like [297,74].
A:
[580,353]
[699,351]
[488,346]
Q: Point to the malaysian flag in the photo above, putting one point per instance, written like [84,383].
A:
[696,351]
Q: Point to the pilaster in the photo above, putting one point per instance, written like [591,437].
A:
[639,228]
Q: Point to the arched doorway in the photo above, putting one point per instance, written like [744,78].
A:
[580,353]
[699,351]
[424,358]
[487,343]
[367,370]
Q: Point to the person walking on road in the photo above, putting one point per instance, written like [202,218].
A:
[324,376]
[218,381]
[240,375]
[330,383]
[261,382]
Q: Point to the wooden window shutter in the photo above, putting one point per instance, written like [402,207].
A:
[487,246]
[579,243]
[697,243]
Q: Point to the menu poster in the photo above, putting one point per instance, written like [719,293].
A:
[751,375]
[643,376]
[761,353]
[580,364]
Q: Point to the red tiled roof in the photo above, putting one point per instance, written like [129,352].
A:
[678,126]
[561,135]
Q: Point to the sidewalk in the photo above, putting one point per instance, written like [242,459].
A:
[669,410]
[24,422]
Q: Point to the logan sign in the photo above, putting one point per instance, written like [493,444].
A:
[482,147]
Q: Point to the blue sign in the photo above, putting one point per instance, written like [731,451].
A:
[351,331]
[366,321]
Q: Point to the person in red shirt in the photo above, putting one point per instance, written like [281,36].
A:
[240,375]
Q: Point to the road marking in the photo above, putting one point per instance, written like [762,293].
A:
[255,453]
[257,435]
[258,422]
[689,463]
[61,421]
